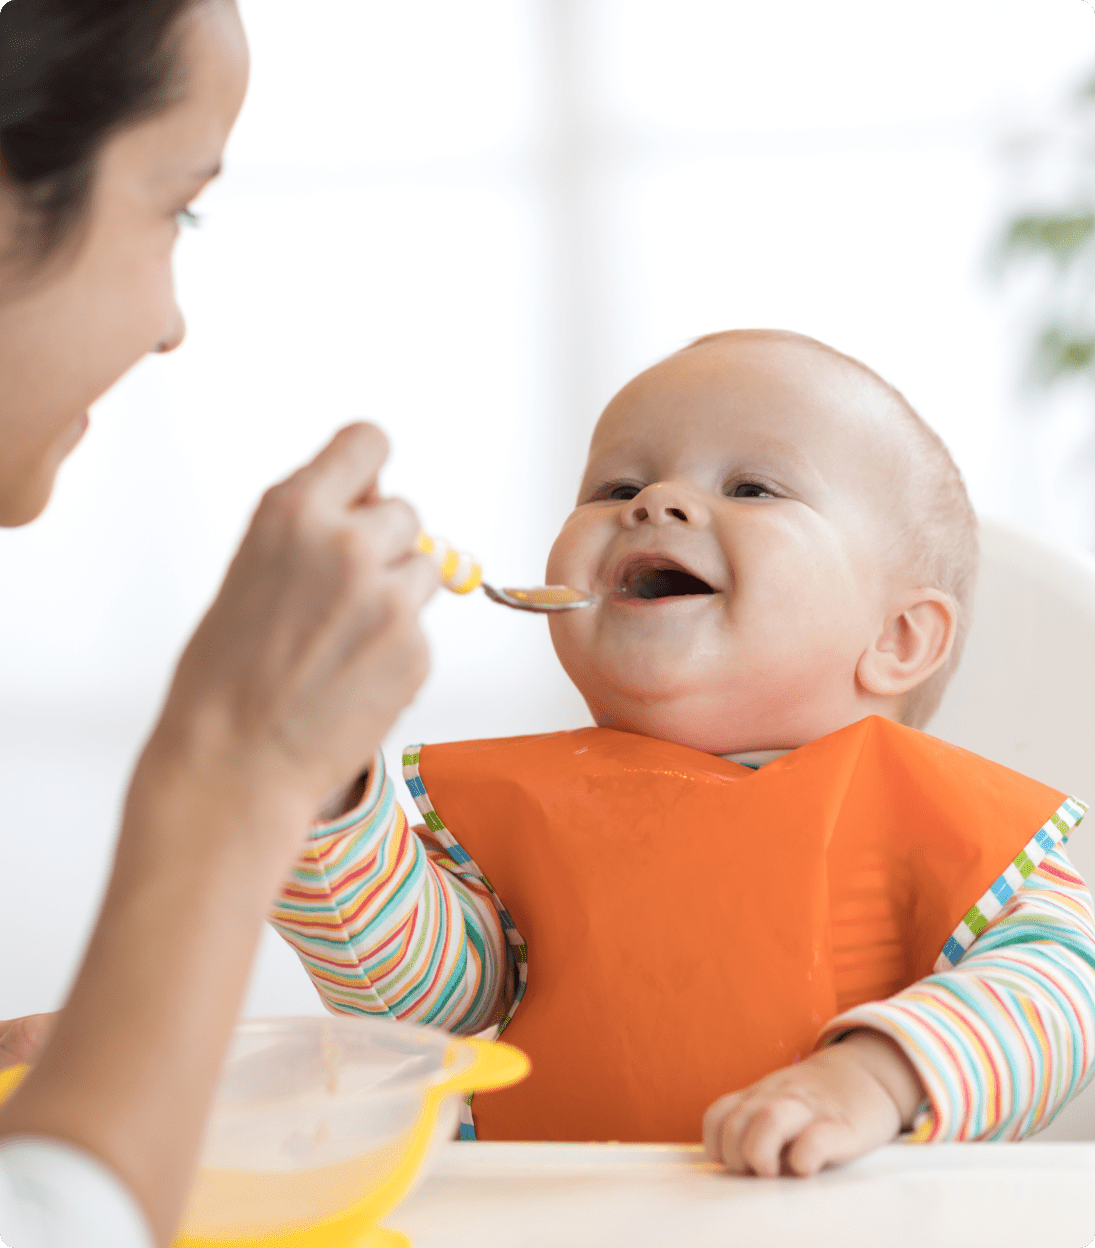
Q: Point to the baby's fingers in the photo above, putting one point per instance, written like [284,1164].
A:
[769,1131]
[751,1139]
[714,1120]
[823,1143]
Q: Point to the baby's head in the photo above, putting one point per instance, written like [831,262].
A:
[780,544]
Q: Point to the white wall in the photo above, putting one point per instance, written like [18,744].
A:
[472,223]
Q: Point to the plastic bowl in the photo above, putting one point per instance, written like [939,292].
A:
[321,1126]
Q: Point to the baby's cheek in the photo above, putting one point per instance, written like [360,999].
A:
[574,636]
[566,636]
[563,560]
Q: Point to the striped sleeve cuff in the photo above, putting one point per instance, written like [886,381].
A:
[370,810]
[1003,1041]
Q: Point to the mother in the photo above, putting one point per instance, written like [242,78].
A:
[113,115]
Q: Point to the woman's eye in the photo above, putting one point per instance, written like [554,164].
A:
[187,217]
[750,489]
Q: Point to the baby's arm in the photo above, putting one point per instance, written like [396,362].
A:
[997,1044]
[384,927]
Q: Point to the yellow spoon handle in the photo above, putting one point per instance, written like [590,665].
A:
[460,573]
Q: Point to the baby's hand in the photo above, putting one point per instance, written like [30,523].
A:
[837,1104]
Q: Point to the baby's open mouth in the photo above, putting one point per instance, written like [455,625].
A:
[669,582]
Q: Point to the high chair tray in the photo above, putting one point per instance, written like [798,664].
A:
[646,1196]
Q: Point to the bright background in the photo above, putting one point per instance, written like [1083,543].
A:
[472,222]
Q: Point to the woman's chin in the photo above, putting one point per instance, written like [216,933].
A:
[20,505]
[26,495]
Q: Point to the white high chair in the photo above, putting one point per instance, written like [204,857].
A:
[1021,694]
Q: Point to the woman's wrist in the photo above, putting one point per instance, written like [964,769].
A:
[217,802]
[141,1038]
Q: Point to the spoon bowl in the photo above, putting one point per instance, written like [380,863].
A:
[541,599]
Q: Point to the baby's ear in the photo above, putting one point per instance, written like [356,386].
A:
[914,642]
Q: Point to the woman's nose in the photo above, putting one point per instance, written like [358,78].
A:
[175,333]
[664,502]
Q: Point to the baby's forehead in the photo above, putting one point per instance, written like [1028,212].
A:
[783,392]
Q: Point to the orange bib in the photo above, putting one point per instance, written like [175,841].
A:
[691,923]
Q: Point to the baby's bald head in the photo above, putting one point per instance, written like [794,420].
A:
[921,499]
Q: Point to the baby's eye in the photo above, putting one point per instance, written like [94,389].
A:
[620,492]
[750,489]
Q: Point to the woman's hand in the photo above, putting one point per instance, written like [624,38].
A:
[22,1038]
[309,652]
[837,1104]
[313,645]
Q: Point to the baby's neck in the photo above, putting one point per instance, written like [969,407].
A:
[755,758]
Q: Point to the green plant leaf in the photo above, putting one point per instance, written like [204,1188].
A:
[1063,352]
[1060,235]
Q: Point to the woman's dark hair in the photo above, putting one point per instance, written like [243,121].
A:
[72,73]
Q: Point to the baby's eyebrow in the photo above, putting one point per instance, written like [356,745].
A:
[778,454]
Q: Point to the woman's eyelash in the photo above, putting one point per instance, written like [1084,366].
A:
[188,217]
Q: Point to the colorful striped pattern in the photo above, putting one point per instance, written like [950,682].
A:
[516,948]
[464,865]
[386,925]
[401,923]
[1006,1038]
[1054,831]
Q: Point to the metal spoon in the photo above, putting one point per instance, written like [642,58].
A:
[461,574]
[543,599]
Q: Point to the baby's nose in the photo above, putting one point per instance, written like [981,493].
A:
[663,502]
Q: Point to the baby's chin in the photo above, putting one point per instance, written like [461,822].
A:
[686,721]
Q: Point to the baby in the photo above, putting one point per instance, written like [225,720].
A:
[754,888]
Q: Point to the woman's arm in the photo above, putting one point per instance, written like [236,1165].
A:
[309,652]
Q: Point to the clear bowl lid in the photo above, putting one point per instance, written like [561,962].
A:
[300,1093]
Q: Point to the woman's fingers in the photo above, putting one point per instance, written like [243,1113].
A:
[390,528]
[345,472]
[341,482]
[22,1038]
[313,646]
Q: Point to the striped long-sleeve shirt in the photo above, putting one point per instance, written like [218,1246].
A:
[387,923]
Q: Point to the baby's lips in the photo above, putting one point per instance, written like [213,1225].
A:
[627,567]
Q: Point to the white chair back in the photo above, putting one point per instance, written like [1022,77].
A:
[1021,694]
